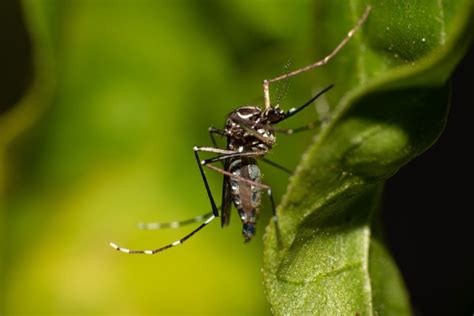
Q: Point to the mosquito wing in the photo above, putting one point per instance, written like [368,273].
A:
[226,198]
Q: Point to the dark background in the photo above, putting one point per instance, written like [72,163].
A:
[430,229]
[427,211]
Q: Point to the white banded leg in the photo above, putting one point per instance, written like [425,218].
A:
[226,156]
[174,224]
[173,244]
[214,150]
[253,154]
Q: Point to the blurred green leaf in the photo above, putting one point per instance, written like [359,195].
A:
[390,103]
[103,140]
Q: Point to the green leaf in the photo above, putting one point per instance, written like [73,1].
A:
[390,103]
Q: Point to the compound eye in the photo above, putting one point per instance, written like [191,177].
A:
[274,115]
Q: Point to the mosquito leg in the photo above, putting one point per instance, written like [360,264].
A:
[204,179]
[235,154]
[229,174]
[215,131]
[176,243]
[232,155]
[213,139]
[272,202]
[219,132]
[226,154]
[274,164]
[277,233]
[266,83]
[174,224]
[291,131]
[214,150]
[242,124]
[254,133]
[293,111]
[275,217]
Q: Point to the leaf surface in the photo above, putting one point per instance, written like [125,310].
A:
[327,256]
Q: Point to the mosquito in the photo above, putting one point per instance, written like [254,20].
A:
[250,133]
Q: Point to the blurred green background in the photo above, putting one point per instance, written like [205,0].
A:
[120,92]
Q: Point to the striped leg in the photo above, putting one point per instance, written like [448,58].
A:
[173,244]
[215,212]
[225,154]
[223,157]
[214,150]
[174,224]
[229,174]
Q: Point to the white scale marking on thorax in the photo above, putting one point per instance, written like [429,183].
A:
[245,116]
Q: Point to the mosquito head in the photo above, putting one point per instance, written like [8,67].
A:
[273,115]
[248,231]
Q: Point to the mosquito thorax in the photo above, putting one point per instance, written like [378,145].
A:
[248,129]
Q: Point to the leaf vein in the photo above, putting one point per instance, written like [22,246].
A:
[320,276]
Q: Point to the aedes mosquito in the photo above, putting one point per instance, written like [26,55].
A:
[250,134]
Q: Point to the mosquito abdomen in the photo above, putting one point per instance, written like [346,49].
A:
[246,197]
